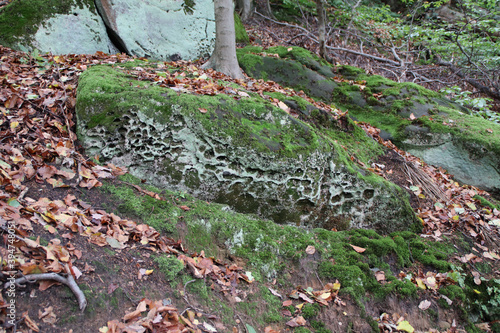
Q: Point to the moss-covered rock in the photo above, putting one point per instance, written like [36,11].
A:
[416,119]
[246,153]
[240,32]
[57,26]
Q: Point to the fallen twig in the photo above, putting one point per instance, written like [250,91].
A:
[419,177]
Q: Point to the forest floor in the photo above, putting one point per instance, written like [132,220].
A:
[50,188]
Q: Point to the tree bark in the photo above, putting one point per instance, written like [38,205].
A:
[223,58]
[246,9]
[321,28]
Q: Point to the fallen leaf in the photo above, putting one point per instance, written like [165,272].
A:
[112,287]
[420,283]
[250,329]
[380,276]
[310,249]
[405,326]
[296,322]
[29,322]
[358,249]
[424,305]
[275,293]
[48,316]
[141,307]
[115,243]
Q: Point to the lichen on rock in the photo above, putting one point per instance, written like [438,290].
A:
[246,153]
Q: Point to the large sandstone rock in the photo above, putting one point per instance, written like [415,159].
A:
[57,26]
[416,119]
[160,29]
[246,153]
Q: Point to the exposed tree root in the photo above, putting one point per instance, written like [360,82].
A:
[68,281]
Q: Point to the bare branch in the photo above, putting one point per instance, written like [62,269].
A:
[490,91]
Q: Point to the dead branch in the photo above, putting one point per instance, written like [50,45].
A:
[490,91]
[68,281]
[310,35]
[366,55]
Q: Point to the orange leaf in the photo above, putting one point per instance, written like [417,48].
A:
[358,249]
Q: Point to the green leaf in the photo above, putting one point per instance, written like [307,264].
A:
[13,202]
[250,329]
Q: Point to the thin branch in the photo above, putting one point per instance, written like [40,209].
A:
[310,35]
[490,91]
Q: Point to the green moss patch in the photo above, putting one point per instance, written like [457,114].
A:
[20,18]
[241,33]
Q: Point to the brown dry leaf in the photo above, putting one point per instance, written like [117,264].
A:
[484,326]
[30,323]
[296,322]
[186,208]
[46,284]
[48,316]
[380,276]
[305,298]
[112,287]
[283,107]
[477,277]
[310,249]
[358,249]
[288,302]
[269,329]
[141,307]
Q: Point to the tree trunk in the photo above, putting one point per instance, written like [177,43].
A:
[223,58]
[321,28]
[246,9]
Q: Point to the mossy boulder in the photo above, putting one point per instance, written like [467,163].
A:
[57,26]
[416,119]
[244,152]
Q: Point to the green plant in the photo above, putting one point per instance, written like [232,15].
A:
[480,105]
[170,266]
[34,57]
